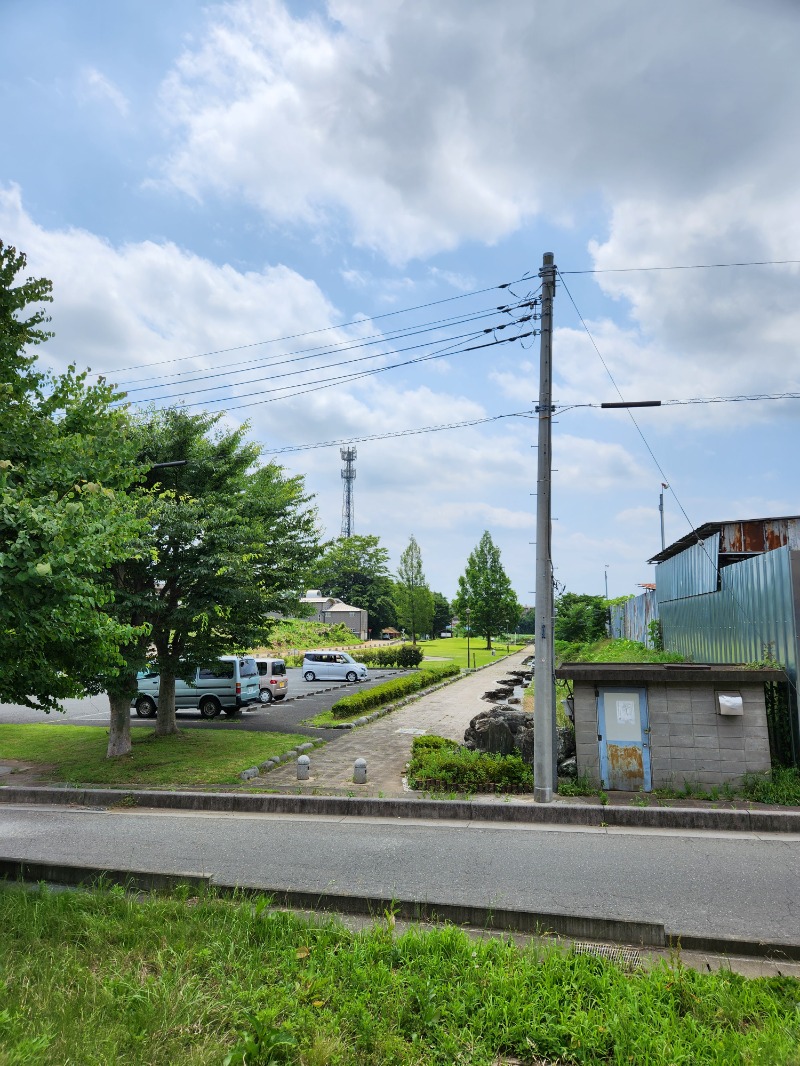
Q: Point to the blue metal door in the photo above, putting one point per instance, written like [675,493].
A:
[623,735]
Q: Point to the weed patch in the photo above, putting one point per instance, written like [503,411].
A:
[100,977]
[439,764]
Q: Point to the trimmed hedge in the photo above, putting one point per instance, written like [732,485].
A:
[398,656]
[359,702]
[439,763]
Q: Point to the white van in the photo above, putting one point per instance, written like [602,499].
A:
[272,678]
[332,666]
[230,684]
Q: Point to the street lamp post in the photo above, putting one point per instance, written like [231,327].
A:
[467,614]
[661,509]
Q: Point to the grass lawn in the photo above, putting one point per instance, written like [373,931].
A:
[104,978]
[77,755]
[455,648]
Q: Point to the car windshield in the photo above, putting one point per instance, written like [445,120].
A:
[348,658]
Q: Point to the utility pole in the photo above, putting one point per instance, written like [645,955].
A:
[544,698]
[661,509]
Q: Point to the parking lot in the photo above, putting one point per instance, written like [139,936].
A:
[305,699]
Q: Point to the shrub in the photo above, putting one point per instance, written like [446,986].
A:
[397,656]
[440,763]
[389,691]
[780,786]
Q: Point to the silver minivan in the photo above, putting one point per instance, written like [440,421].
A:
[230,684]
[332,666]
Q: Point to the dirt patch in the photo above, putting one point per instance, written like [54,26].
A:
[18,773]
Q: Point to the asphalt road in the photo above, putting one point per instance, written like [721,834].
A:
[723,884]
[284,716]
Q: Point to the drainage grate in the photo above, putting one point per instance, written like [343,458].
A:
[627,957]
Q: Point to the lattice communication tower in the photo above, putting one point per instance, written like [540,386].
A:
[348,477]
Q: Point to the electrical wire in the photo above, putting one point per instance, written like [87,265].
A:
[319,352]
[687,266]
[323,329]
[400,433]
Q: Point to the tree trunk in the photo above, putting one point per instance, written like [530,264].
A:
[165,722]
[119,734]
[488,641]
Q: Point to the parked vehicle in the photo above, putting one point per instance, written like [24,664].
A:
[332,666]
[272,678]
[230,684]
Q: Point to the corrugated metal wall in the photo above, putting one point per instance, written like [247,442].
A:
[630,620]
[694,572]
[752,610]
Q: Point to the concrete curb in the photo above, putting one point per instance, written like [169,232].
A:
[538,923]
[752,821]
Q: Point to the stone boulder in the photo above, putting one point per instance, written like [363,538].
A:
[501,731]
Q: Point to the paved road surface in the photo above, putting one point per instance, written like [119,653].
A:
[281,717]
[723,884]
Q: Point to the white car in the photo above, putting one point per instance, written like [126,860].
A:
[332,666]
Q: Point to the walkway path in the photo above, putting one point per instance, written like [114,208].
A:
[386,742]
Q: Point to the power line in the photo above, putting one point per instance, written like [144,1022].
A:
[317,353]
[686,266]
[700,400]
[323,329]
[398,433]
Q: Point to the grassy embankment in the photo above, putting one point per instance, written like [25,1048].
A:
[295,634]
[77,755]
[106,978]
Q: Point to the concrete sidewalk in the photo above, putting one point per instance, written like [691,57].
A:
[386,742]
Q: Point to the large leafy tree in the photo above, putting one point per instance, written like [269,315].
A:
[580,618]
[230,541]
[66,457]
[356,570]
[486,590]
[442,616]
[414,598]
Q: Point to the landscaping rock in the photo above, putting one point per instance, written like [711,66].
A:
[568,768]
[247,775]
[304,747]
[501,731]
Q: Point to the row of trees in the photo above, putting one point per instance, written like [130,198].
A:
[108,547]
[356,569]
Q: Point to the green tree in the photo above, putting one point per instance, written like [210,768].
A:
[442,615]
[66,458]
[414,598]
[229,542]
[580,618]
[356,570]
[527,622]
[485,588]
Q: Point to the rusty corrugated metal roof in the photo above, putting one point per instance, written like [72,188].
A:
[740,537]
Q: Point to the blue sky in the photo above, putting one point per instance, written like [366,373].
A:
[199,179]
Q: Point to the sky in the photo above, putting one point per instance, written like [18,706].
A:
[303,215]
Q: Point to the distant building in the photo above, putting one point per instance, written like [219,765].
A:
[334,611]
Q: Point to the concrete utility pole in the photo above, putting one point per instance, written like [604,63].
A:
[544,708]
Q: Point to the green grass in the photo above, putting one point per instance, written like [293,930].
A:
[298,634]
[455,648]
[613,651]
[104,978]
[76,755]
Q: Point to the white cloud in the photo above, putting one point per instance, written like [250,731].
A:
[95,86]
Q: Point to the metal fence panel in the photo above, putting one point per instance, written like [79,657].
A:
[631,620]
[693,572]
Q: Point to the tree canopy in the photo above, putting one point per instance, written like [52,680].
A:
[231,541]
[414,598]
[580,618]
[486,590]
[356,570]
[67,456]
[442,615]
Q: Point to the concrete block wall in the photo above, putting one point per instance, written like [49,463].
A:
[689,740]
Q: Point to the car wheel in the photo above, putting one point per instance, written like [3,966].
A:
[265,695]
[145,707]
[309,675]
[209,707]
[351,676]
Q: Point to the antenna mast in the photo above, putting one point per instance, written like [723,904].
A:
[348,477]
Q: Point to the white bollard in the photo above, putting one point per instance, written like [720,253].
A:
[303,768]
[360,772]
